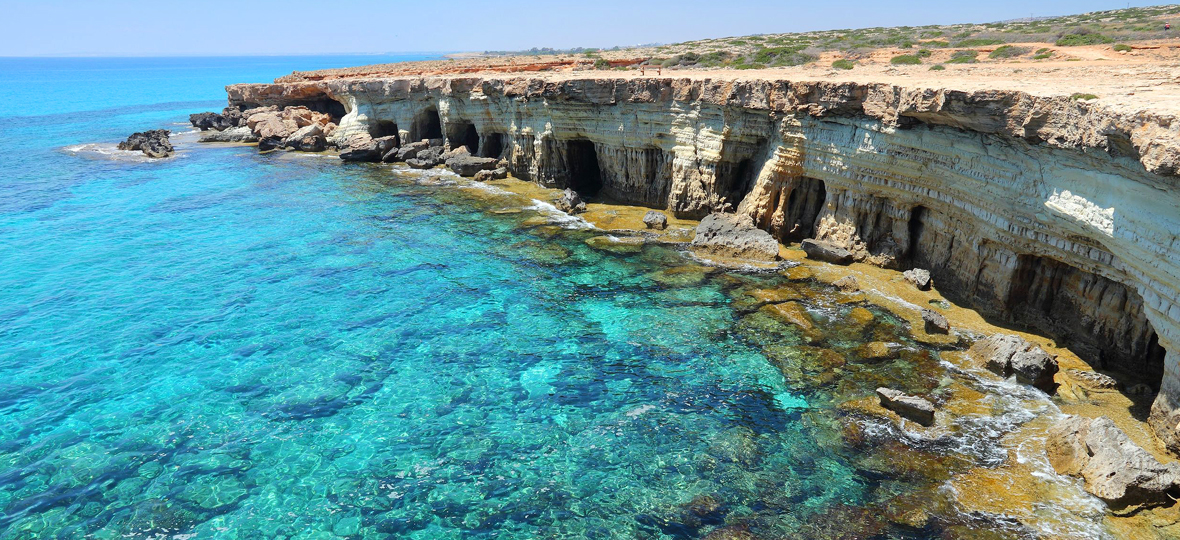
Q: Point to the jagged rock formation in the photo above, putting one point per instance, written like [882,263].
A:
[1115,470]
[1042,211]
[153,143]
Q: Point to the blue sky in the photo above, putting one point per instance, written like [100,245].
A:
[114,27]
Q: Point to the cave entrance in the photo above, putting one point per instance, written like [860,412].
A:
[471,139]
[585,176]
[385,128]
[427,125]
[494,145]
[916,225]
[329,106]
[804,204]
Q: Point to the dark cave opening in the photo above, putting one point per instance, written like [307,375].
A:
[385,128]
[494,145]
[915,226]
[427,125]
[804,204]
[331,107]
[585,176]
[471,139]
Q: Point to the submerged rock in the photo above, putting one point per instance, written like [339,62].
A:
[826,251]
[935,322]
[1114,469]
[847,284]
[655,220]
[918,277]
[912,407]
[878,350]
[570,202]
[267,144]
[1007,355]
[153,143]
[733,235]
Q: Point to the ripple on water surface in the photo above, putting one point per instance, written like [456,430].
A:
[243,346]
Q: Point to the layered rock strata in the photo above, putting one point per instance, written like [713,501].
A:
[1040,211]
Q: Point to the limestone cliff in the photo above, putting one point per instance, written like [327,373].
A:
[1041,211]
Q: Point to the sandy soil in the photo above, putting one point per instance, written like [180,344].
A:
[1146,78]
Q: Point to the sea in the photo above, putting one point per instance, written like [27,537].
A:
[233,345]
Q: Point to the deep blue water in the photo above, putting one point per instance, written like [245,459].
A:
[233,345]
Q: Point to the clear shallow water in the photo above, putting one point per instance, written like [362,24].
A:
[230,345]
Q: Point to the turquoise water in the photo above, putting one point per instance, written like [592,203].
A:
[234,345]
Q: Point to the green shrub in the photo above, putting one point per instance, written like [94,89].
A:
[1082,97]
[978,42]
[963,57]
[924,53]
[1088,38]
[937,67]
[1122,47]
[1043,56]
[906,59]
[937,44]
[844,63]
[1044,50]
[1008,51]
[601,63]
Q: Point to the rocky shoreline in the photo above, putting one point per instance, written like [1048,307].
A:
[859,173]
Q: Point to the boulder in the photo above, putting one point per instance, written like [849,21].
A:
[826,251]
[655,220]
[270,124]
[847,284]
[211,120]
[267,144]
[241,134]
[935,322]
[733,235]
[468,165]
[364,148]
[303,117]
[460,151]
[409,151]
[500,173]
[483,176]
[416,163]
[233,116]
[305,132]
[1007,355]
[1114,469]
[311,143]
[153,143]
[570,202]
[919,278]
[912,407]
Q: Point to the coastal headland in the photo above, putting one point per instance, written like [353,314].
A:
[1043,197]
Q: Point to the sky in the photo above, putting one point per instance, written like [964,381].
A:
[293,27]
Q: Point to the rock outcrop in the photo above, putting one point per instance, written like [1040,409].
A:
[733,235]
[919,278]
[570,202]
[1007,355]
[826,251]
[1038,210]
[153,143]
[1114,468]
[912,407]
[655,220]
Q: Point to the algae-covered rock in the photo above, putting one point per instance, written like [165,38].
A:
[935,322]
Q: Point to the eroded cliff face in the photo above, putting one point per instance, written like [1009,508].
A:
[1041,211]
